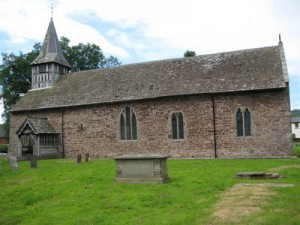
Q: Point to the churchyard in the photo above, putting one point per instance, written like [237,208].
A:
[204,191]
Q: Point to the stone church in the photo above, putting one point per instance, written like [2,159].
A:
[227,105]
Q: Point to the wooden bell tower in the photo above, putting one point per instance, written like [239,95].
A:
[50,63]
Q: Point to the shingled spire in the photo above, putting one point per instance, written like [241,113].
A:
[50,63]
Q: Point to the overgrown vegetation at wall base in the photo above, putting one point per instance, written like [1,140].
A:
[296,149]
[3,148]
[63,192]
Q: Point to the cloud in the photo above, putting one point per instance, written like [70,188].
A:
[202,26]
[88,34]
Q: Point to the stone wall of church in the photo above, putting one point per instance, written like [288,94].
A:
[96,129]
[270,122]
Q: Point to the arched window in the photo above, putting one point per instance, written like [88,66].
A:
[247,122]
[243,122]
[177,125]
[128,124]
[239,123]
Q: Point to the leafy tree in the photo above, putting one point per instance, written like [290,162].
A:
[86,56]
[15,78]
[189,53]
[15,70]
[110,62]
[295,112]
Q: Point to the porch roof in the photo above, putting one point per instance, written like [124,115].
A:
[37,125]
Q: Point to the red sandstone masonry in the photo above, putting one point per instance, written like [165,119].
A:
[95,129]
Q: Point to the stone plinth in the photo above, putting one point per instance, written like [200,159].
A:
[140,168]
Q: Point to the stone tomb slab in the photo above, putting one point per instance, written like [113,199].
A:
[141,168]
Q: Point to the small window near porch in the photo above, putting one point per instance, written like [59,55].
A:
[48,139]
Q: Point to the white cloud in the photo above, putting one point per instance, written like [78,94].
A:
[20,19]
[88,34]
[202,26]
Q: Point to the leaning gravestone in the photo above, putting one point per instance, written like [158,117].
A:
[79,158]
[33,161]
[13,162]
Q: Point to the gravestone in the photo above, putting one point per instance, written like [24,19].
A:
[79,158]
[13,162]
[141,168]
[87,157]
[33,161]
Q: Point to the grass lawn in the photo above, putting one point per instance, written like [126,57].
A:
[62,192]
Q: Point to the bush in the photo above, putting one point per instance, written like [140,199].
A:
[3,148]
[296,140]
[296,149]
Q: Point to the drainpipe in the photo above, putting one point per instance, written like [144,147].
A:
[62,133]
[214,125]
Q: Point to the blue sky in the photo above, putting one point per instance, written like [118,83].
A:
[140,30]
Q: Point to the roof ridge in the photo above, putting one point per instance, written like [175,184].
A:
[225,72]
[178,59]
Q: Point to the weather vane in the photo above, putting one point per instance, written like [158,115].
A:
[52,9]
[280,39]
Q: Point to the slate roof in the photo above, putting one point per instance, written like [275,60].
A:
[244,70]
[51,51]
[295,120]
[38,125]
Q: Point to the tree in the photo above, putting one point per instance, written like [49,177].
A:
[189,53]
[15,80]
[86,56]
[110,62]
[15,70]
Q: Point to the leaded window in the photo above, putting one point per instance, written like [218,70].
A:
[177,125]
[243,122]
[128,124]
[48,139]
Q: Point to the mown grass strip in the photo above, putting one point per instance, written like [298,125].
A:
[63,192]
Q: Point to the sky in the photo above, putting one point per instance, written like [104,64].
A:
[145,30]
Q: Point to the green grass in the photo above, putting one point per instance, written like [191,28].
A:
[62,192]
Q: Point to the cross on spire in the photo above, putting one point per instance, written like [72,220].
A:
[52,10]
[280,42]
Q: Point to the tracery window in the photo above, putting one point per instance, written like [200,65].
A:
[177,125]
[243,122]
[128,124]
